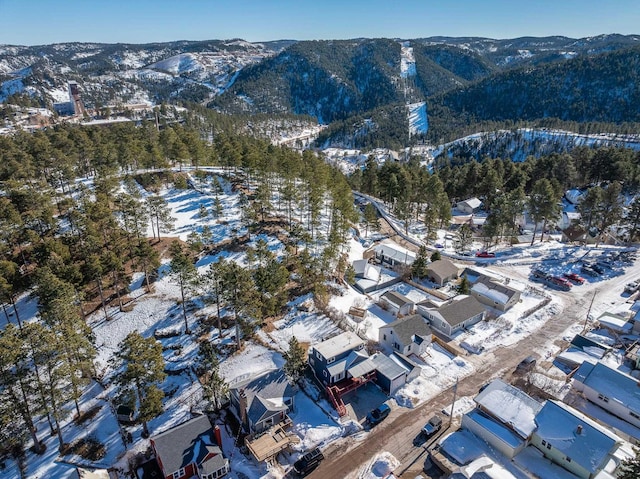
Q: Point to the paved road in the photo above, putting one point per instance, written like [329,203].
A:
[396,434]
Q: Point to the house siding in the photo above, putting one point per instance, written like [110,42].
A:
[558,457]
[609,403]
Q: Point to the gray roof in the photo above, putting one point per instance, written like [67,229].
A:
[217,462]
[558,425]
[184,444]
[387,366]
[396,298]
[496,285]
[339,344]
[443,268]
[458,309]
[356,363]
[407,327]
[265,394]
[395,252]
[510,405]
[612,383]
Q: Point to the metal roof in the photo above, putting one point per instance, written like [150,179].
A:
[339,344]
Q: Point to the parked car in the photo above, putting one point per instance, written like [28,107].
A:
[561,282]
[485,254]
[538,273]
[433,425]
[308,462]
[576,278]
[526,365]
[586,269]
[631,287]
[378,414]
[439,245]
[597,267]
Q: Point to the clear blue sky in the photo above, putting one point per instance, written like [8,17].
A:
[35,22]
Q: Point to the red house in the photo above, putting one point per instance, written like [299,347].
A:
[190,450]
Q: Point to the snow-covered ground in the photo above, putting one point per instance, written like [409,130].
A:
[418,123]
[316,423]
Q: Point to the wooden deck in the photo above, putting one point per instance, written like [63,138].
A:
[273,441]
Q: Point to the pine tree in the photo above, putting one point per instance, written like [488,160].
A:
[630,468]
[465,286]
[295,361]
[214,386]
[184,274]
[435,256]
[419,266]
[370,218]
[142,372]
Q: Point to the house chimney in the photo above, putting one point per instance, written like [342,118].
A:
[218,435]
[579,429]
[243,407]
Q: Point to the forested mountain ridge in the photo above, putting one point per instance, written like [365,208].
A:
[325,79]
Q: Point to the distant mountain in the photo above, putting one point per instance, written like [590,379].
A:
[363,84]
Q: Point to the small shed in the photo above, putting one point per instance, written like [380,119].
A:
[390,376]
[442,271]
[469,206]
[397,303]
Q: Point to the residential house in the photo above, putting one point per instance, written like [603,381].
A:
[494,293]
[408,335]
[370,277]
[581,349]
[189,450]
[504,417]
[612,390]
[396,303]
[482,468]
[469,206]
[339,358]
[393,254]
[568,218]
[442,271]
[452,316]
[615,323]
[390,375]
[262,400]
[577,443]
[574,196]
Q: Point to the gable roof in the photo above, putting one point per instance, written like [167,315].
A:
[395,252]
[408,327]
[265,393]
[443,268]
[575,435]
[339,344]
[215,463]
[611,383]
[387,366]
[456,310]
[471,202]
[396,298]
[510,406]
[494,290]
[184,444]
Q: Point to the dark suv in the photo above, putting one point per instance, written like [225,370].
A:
[378,414]
[308,462]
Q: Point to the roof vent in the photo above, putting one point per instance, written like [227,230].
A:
[579,429]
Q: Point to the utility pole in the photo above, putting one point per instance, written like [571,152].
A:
[586,320]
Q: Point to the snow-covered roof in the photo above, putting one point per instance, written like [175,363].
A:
[482,468]
[614,322]
[395,252]
[510,405]
[575,435]
[366,270]
[396,298]
[339,344]
[497,429]
[614,384]
[574,196]
[493,294]
[471,203]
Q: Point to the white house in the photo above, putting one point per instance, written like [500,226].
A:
[452,316]
[612,390]
[504,417]
[397,303]
[494,293]
[470,206]
[408,335]
[577,443]
[393,254]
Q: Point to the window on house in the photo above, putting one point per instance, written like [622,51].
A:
[324,373]
[331,360]
[544,443]
[384,337]
[409,348]
[548,446]
[633,414]
[312,361]
[568,459]
[318,355]
[603,398]
[178,474]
